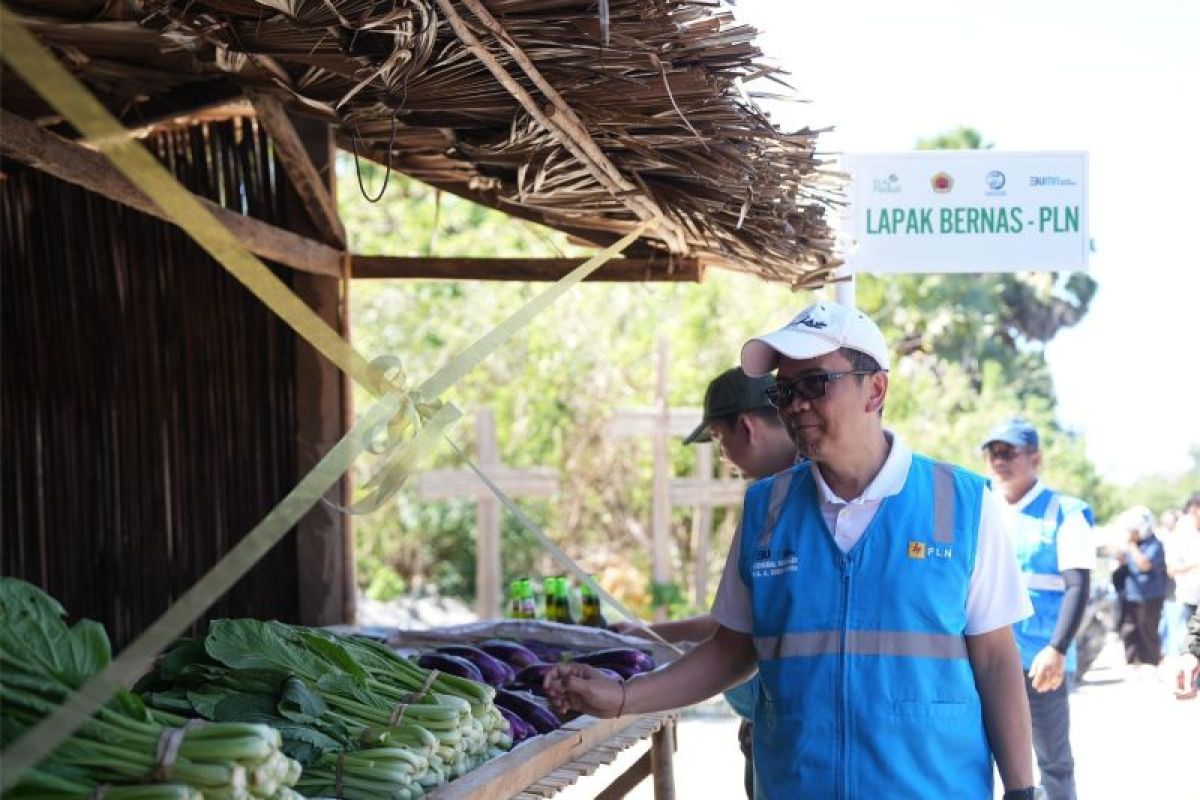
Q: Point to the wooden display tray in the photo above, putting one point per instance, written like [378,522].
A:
[543,766]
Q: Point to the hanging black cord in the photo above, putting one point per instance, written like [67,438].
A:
[358,167]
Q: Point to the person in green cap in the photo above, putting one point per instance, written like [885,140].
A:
[740,418]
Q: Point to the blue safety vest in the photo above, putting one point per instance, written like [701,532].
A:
[743,697]
[1035,540]
[865,688]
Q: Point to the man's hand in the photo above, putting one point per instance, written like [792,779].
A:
[1186,673]
[583,688]
[1046,672]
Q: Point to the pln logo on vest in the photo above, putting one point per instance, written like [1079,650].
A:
[921,550]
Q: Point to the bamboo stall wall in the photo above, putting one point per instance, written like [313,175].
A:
[146,409]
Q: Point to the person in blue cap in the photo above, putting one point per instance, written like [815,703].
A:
[1052,538]
[873,588]
[740,417]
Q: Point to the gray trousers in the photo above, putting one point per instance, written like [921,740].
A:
[1052,740]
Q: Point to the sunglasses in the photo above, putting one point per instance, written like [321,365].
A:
[807,387]
[1007,453]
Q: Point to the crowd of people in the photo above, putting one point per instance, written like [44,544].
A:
[1157,578]
[887,624]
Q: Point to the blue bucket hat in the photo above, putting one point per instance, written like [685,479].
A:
[1017,431]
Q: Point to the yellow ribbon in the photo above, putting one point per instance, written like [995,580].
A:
[396,411]
[135,659]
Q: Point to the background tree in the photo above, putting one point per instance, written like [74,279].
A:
[970,349]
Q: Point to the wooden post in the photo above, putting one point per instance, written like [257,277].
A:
[662,756]
[661,514]
[661,423]
[324,537]
[447,484]
[702,518]
[704,493]
[487,521]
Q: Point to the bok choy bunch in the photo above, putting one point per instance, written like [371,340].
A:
[125,751]
[363,721]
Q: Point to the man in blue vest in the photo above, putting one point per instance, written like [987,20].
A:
[738,415]
[1052,536]
[874,589]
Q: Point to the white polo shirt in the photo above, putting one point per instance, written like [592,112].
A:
[995,597]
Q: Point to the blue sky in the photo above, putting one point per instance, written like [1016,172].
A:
[1117,79]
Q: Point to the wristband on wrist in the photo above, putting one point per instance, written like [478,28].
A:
[1028,793]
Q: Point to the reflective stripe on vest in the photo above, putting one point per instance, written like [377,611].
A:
[779,493]
[1043,582]
[943,504]
[861,642]
[1051,513]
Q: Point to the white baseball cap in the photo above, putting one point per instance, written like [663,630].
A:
[819,329]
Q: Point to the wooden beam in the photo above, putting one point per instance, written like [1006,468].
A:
[23,141]
[706,493]
[448,484]
[307,182]
[523,269]
[681,421]
[324,537]
[508,774]
[628,780]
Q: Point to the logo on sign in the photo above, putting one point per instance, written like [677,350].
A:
[942,182]
[1050,180]
[888,185]
[995,181]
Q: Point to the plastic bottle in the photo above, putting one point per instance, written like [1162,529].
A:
[521,605]
[550,588]
[592,614]
[566,615]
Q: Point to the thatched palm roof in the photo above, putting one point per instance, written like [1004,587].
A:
[548,109]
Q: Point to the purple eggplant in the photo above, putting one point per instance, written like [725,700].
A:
[550,653]
[609,673]
[515,655]
[531,678]
[529,709]
[451,665]
[626,661]
[519,728]
[494,671]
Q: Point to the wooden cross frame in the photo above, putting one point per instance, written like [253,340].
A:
[448,484]
[704,493]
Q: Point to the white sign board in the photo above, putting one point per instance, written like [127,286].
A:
[968,211]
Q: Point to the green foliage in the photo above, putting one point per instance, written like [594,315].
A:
[1162,492]
[969,349]
[961,138]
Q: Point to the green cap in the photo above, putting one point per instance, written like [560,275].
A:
[729,394]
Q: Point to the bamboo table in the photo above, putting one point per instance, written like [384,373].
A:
[543,766]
